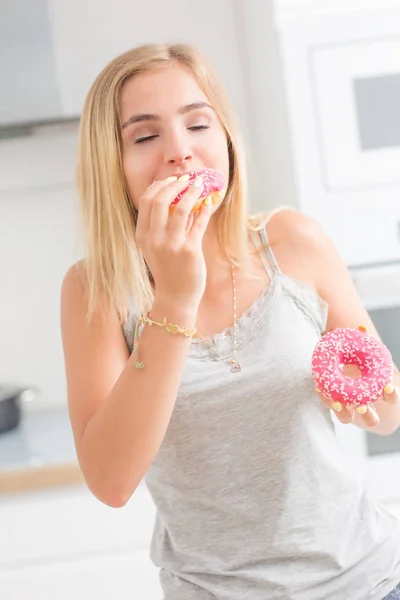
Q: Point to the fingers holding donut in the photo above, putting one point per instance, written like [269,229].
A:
[391,394]
[345,414]
[350,370]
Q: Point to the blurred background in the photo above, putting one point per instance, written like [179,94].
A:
[316,86]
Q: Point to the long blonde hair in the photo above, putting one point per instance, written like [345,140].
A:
[114,266]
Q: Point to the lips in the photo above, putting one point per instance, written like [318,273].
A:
[214,186]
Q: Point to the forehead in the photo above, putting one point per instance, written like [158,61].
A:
[160,89]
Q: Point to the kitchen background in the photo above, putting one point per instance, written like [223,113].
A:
[316,85]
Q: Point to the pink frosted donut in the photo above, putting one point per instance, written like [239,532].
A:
[214,183]
[345,346]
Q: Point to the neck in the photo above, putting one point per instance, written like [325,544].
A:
[217,264]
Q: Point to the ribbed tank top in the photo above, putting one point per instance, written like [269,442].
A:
[255,497]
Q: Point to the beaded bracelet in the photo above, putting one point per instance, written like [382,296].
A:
[170,327]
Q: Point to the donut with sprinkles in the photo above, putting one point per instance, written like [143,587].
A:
[346,346]
[213,186]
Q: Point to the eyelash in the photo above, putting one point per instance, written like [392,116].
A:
[151,137]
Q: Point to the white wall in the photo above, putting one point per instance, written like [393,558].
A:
[37,244]
[307,7]
[38,238]
[271,169]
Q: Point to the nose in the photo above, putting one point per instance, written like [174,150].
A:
[177,150]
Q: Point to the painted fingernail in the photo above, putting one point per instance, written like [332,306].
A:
[389,388]
[337,406]
[196,206]
[184,177]
[198,182]
[362,410]
[207,201]
[172,178]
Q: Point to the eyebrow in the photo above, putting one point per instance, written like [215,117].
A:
[150,117]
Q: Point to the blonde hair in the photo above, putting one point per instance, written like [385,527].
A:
[114,266]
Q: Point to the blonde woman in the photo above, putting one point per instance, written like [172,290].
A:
[188,340]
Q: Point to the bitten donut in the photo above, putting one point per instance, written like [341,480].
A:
[214,184]
[345,346]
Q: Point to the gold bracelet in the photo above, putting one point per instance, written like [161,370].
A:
[170,327]
[188,332]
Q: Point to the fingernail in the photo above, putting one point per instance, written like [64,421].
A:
[184,177]
[172,178]
[207,201]
[362,410]
[198,182]
[337,406]
[197,206]
[389,388]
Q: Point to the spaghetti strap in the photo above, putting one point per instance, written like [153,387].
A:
[268,251]
[255,235]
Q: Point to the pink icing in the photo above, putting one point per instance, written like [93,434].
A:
[353,347]
[213,181]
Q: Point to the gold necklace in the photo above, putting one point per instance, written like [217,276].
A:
[235,366]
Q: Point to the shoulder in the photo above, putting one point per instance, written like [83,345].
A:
[74,303]
[304,250]
[293,228]
[77,298]
[76,274]
[295,236]
[74,284]
[79,303]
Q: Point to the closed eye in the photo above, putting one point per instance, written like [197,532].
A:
[197,127]
[145,139]
[151,137]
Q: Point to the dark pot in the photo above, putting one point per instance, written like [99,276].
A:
[11,399]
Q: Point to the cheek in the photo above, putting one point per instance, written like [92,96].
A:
[138,176]
[218,152]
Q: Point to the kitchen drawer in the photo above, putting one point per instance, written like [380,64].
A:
[70,522]
[124,577]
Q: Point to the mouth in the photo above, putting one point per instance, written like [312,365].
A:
[213,187]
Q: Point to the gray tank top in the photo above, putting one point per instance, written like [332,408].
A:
[255,497]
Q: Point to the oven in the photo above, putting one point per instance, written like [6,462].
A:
[378,456]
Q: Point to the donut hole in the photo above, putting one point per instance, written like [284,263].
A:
[351,371]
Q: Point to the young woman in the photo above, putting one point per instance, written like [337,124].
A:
[255,497]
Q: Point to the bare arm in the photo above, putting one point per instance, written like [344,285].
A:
[347,310]
[326,272]
[119,414]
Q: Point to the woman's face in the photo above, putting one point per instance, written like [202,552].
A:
[169,128]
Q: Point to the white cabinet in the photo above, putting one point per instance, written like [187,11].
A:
[87,34]
[295,8]
[341,69]
[28,83]
[125,577]
[64,543]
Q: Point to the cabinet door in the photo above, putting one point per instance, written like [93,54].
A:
[122,577]
[49,525]
[341,72]
[90,33]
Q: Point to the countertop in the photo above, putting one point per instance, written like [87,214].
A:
[39,453]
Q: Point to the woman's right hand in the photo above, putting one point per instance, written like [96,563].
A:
[171,241]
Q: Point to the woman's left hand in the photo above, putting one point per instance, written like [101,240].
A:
[367,413]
